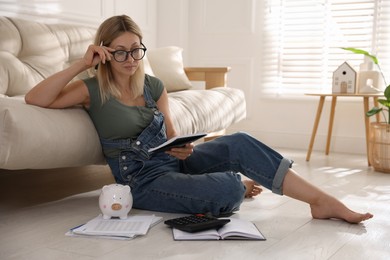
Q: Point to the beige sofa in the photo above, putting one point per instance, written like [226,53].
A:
[37,138]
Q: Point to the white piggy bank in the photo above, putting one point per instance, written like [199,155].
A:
[115,200]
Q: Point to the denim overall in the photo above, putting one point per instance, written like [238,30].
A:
[207,181]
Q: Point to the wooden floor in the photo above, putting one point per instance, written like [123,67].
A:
[37,209]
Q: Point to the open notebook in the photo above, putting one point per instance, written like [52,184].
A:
[236,229]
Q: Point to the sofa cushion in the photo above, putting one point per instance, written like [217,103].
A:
[167,65]
[206,111]
[39,138]
[16,76]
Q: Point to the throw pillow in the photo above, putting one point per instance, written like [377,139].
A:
[167,65]
[147,68]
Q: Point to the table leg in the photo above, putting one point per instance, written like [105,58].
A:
[315,127]
[330,127]
[376,103]
[367,124]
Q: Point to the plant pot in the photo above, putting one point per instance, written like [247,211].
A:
[379,147]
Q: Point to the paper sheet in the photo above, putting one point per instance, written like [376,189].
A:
[116,228]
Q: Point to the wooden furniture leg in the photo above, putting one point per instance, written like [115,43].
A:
[366,102]
[315,127]
[376,104]
[330,127]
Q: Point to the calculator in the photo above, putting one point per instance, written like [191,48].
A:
[196,223]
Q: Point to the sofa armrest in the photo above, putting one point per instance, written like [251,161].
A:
[212,76]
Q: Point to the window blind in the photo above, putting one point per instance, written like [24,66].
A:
[302,41]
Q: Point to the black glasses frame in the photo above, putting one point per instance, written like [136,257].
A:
[130,53]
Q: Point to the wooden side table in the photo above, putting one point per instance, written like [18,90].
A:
[331,118]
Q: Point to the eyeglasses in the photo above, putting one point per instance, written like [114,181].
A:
[136,54]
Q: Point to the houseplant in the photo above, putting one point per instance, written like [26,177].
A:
[379,142]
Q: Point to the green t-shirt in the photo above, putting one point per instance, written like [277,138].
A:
[115,120]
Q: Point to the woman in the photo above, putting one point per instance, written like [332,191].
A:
[131,114]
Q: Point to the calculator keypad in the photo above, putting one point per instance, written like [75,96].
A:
[195,223]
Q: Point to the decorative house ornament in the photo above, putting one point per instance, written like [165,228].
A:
[344,79]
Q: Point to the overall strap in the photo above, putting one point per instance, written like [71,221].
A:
[150,103]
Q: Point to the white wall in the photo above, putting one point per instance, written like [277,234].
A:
[216,33]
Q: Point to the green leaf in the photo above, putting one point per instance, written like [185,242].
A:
[374,111]
[384,102]
[387,92]
[359,51]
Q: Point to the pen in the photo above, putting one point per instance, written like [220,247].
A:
[97,65]
[73,228]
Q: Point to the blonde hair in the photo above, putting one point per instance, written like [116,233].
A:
[109,30]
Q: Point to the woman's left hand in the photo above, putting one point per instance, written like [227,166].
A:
[181,153]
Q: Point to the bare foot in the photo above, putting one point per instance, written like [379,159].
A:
[252,188]
[329,207]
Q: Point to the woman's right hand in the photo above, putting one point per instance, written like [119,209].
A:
[96,54]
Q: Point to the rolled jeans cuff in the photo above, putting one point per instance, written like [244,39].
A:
[277,184]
